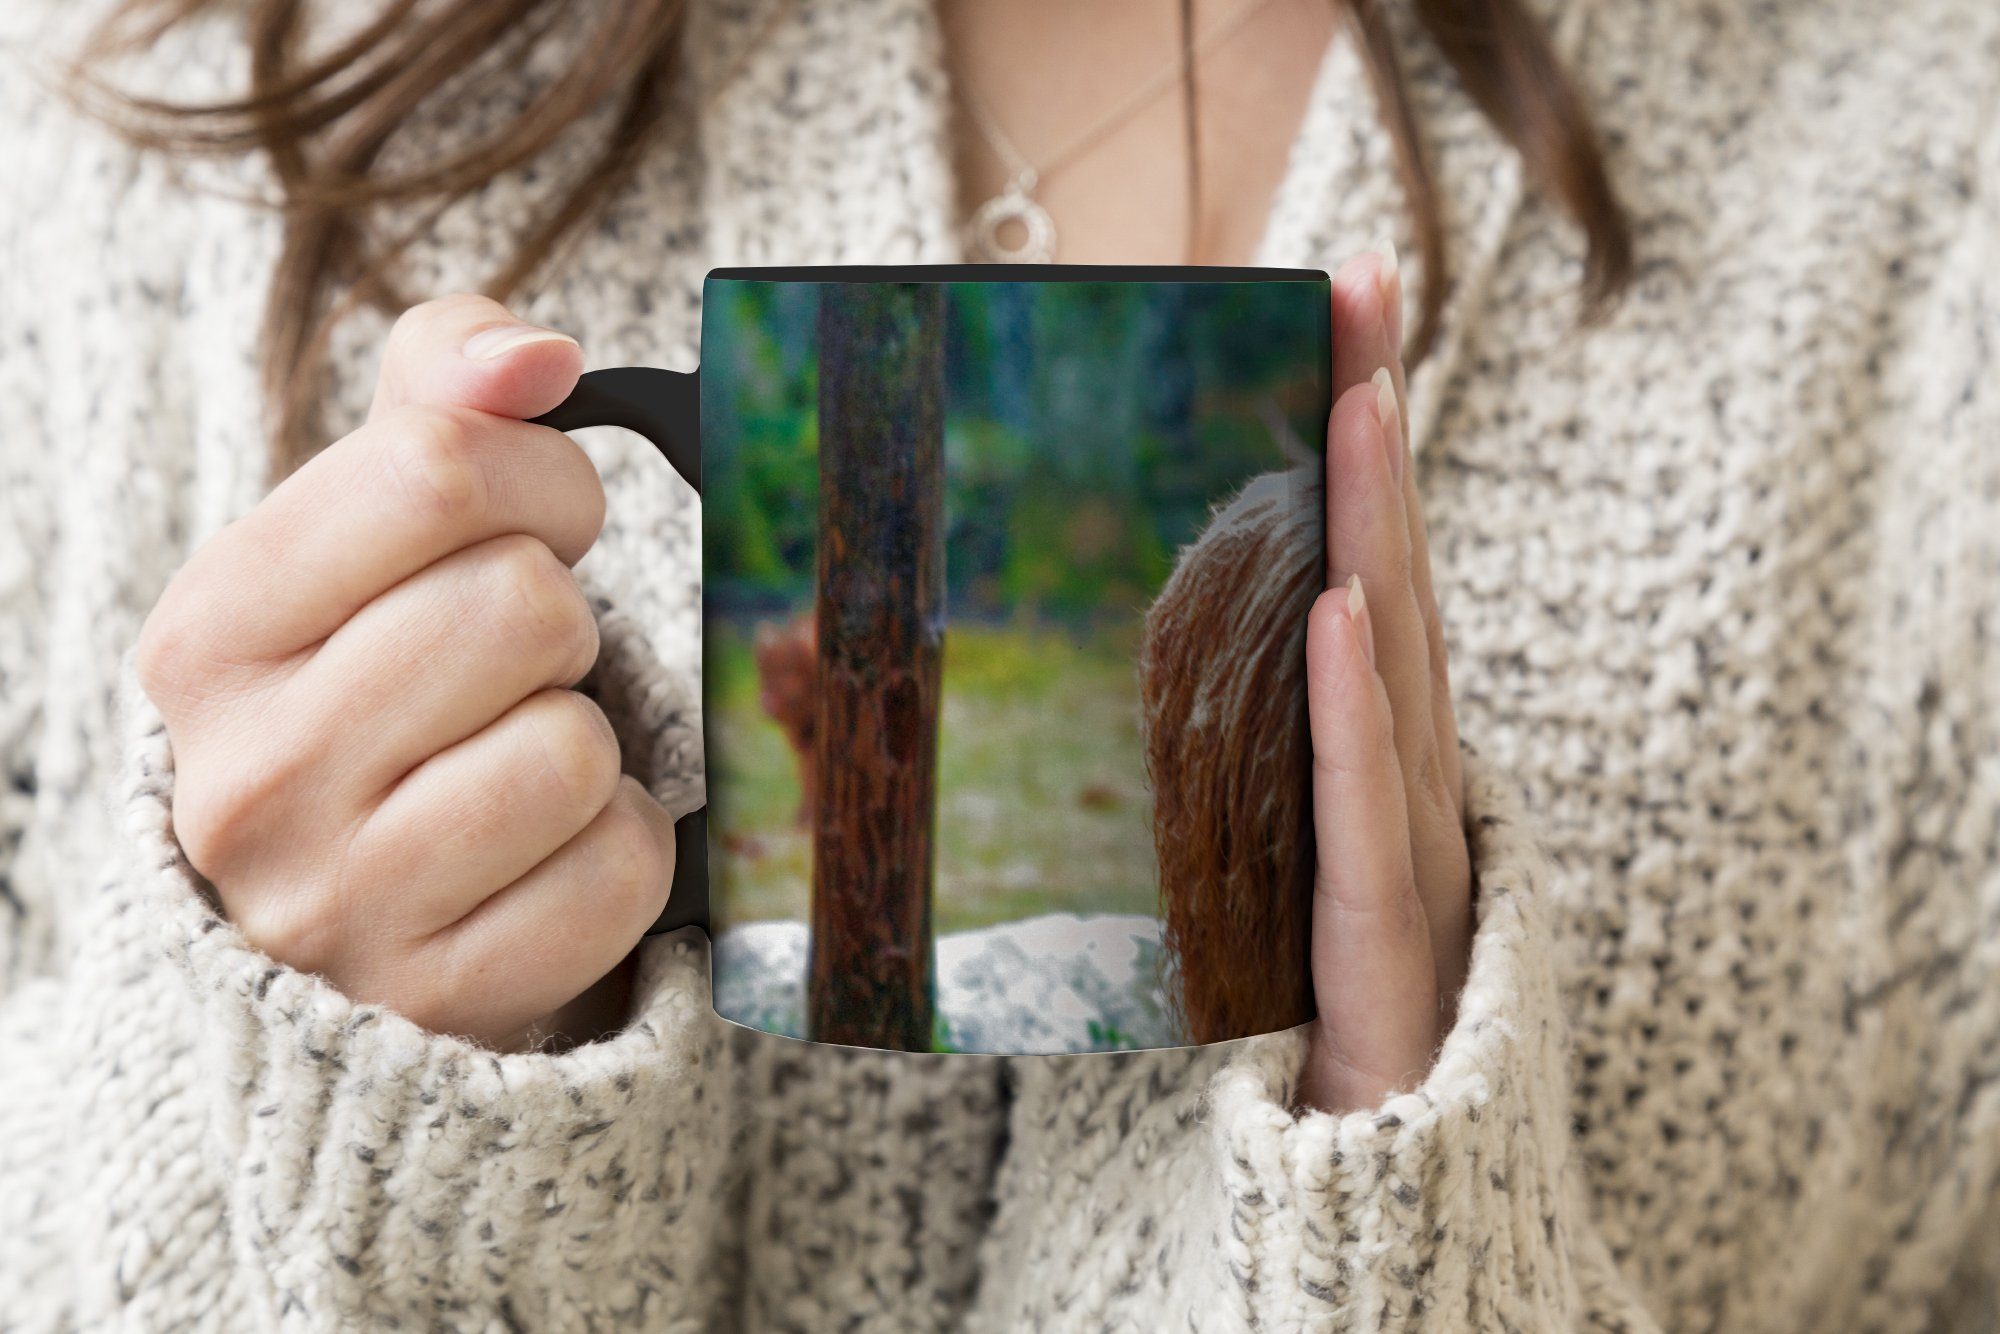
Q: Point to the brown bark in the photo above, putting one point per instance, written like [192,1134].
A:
[880,618]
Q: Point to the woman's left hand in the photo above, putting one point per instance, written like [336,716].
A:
[1392,896]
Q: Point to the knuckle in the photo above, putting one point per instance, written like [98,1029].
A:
[1405,913]
[1402,912]
[435,461]
[1391,913]
[219,813]
[542,607]
[1428,783]
[296,927]
[209,829]
[164,660]
[1433,807]
[408,331]
[593,507]
[1401,559]
[632,864]
[177,647]
[1364,755]
[579,751]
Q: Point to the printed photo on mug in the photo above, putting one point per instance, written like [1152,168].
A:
[1005,589]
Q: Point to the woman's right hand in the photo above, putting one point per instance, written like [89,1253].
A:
[380,764]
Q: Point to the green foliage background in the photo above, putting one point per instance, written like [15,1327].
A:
[1090,428]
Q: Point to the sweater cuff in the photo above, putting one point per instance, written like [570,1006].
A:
[376,1173]
[1446,1207]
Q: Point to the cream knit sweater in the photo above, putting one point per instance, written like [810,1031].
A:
[1722,581]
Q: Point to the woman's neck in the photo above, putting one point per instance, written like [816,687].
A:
[1049,73]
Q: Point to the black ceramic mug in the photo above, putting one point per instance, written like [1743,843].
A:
[1005,580]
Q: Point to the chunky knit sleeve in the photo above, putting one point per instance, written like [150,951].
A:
[24,519]
[27,508]
[196,1135]
[1454,1206]
[1187,1182]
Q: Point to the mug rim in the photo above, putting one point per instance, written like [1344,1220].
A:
[1016,273]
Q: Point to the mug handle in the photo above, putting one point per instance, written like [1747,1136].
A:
[665,407]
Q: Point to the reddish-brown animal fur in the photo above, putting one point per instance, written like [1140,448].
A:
[1222,685]
[787,675]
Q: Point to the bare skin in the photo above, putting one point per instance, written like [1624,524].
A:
[1050,71]
[416,575]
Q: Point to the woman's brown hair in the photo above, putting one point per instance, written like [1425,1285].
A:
[326,120]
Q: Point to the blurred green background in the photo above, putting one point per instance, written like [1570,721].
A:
[1090,429]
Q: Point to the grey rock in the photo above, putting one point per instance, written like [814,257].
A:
[1050,984]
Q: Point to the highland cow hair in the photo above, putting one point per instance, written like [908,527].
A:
[787,655]
[1222,685]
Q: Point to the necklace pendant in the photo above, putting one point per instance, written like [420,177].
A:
[1014,205]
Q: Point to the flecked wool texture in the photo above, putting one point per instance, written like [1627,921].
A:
[1721,576]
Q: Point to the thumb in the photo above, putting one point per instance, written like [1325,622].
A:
[471,352]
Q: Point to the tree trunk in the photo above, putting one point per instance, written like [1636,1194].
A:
[880,618]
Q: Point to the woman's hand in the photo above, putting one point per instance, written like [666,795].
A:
[1392,900]
[380,765]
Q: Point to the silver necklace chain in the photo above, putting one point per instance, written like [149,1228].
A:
[1017,203]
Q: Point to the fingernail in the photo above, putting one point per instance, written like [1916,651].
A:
[1390,411]
[1357,616]
[489,344]
[1388,272]
[1389,283]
